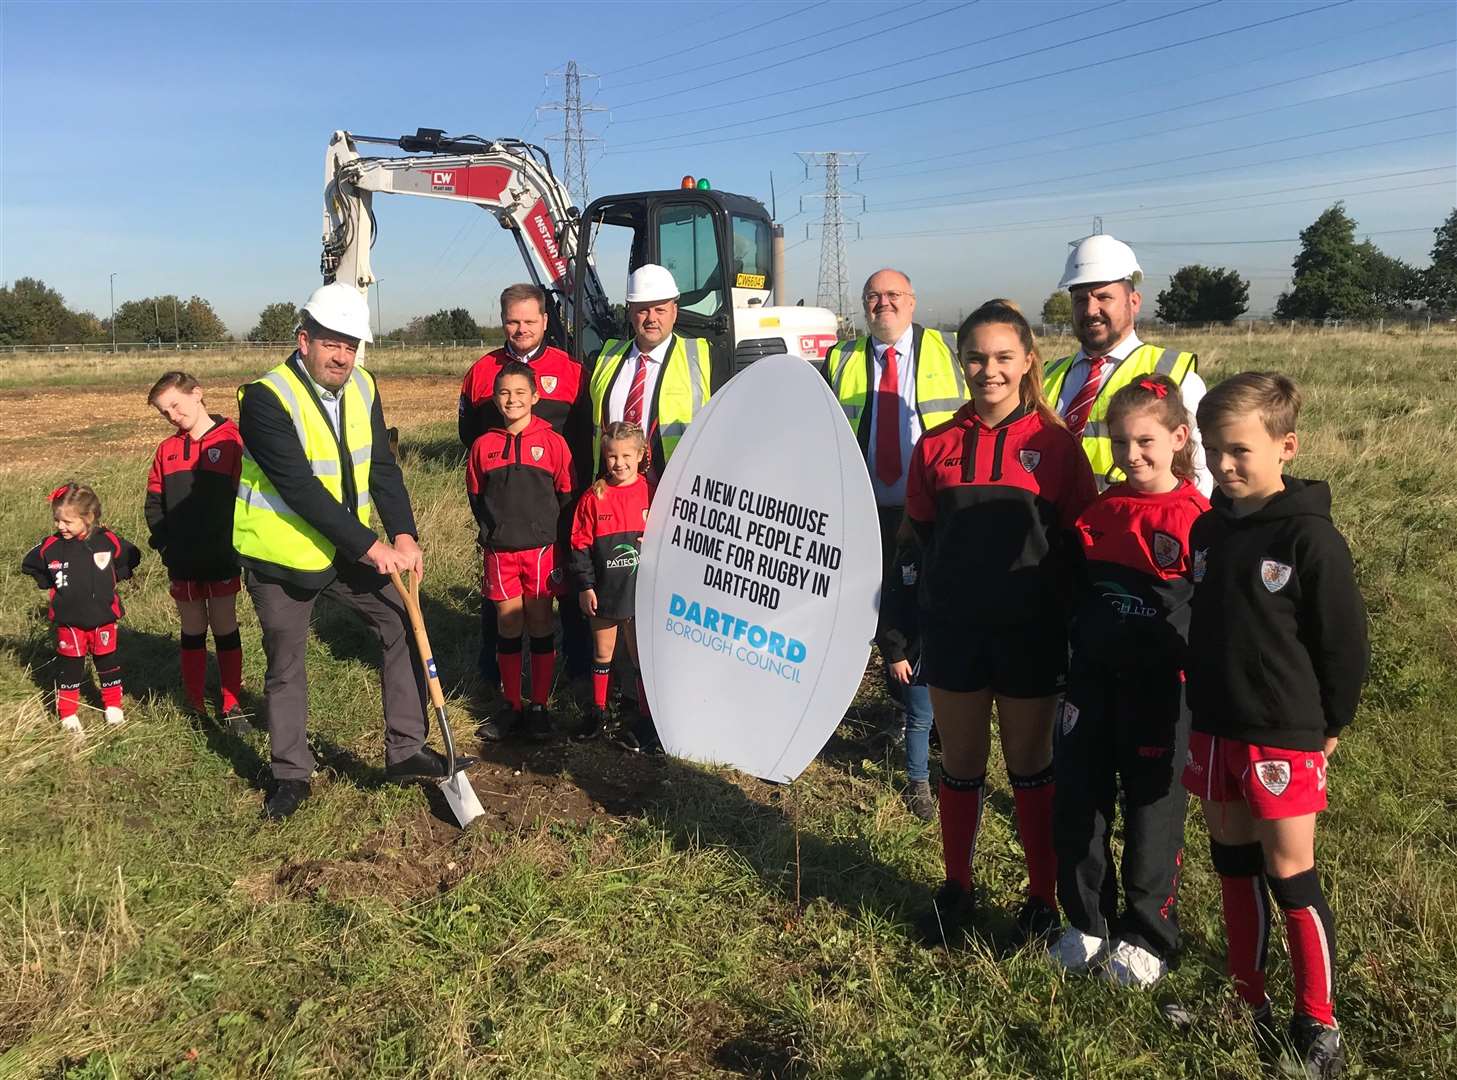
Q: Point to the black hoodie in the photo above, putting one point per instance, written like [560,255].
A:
[1277,636]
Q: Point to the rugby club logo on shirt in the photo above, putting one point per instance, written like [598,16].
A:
[102,559]
[1274,776]
[548,384]
[1069,717]
[1029,458]
[1166,549]
[1201,564]
[536,452]
[1274,575]
[214,454]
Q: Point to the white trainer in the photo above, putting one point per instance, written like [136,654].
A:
[72,724]
[1075,950]
[114,715]
[1133,965]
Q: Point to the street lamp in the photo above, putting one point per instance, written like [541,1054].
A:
[113,313]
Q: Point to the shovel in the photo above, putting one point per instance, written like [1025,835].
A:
[456,788]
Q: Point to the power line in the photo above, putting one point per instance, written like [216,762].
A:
[574,139]
[719,40]
[857,25]
[834,284]
[1002,85]
[1281,240]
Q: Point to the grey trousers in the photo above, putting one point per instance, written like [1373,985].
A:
[284,612]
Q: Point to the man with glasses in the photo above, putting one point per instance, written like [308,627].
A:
[894,384]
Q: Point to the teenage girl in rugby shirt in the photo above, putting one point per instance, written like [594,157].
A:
[1124,727]
[519,478]
[189,509]
[606,542]
[80,563]
[992,497]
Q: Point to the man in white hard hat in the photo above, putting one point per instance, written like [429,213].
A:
[658,380]
[895,383]
[317,460]
[1102,274]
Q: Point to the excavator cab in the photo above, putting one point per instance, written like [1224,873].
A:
[717,246]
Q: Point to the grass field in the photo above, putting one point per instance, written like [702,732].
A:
[615,916]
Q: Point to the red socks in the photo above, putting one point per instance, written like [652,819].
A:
[1241,869]
[601,679]
[1033,795]
[543,668]
[508,656]
[960,818]
[68,701]
[110,679]
[1310,929]
[230,667]
[194,669]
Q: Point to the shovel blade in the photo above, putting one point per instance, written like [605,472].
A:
[462,799]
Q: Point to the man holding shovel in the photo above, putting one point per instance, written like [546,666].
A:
[316,461]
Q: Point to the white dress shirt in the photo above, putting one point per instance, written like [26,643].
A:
[910,429]
[622,384]
[1191,390]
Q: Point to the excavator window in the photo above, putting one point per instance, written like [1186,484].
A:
[752,253]
[688,247]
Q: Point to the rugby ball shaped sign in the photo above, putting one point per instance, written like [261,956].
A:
[760,575]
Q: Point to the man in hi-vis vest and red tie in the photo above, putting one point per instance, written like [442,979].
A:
[1102,274]
[894,384]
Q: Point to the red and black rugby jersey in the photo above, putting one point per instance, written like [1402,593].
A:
[1134,611]
[81,575]
[191,491]
[606,542]
[1000,502]
[518,485]
[558,381]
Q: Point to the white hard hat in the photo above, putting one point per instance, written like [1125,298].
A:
[1099,258]
[650,283]
[340,308]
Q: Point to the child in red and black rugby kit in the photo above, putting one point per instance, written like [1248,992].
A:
[1277,655]
[992,497]
[1124,727]
[80,563]
[606,542]
[520,480]
[189,508]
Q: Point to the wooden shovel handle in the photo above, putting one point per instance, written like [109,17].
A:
[410,594]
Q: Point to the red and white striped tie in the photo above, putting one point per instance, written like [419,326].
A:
[633,412]
[1081,406]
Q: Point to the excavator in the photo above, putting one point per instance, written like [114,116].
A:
[722,249]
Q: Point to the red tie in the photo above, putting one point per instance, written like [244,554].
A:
[1081,406]
[633,413]
[888,422]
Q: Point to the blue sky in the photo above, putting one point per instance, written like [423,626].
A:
[181,145]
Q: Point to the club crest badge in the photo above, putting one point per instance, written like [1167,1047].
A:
[548,384]
[1069,717]
[536,452]
[1274,575]
[1029,458]
[214,454]
[1166,549]
[1274,776]
[909,574]
[102,559]
[1201,564]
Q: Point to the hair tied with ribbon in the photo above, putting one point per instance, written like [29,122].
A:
[60,491]
[1158,389]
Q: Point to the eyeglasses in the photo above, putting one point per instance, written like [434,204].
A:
[888,297]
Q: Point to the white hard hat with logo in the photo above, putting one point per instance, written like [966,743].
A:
[651,283]
[1100,258]
[342,309]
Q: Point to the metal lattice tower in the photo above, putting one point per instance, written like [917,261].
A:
[573,138]
[834,288]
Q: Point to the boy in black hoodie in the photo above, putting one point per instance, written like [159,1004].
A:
[1278,653]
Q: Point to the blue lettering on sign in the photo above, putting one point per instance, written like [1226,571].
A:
[768,650]
[430,667]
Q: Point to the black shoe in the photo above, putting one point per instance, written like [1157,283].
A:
[501,726]
[1318,1047]
[1265,1032]
[427,762]
[538,723]
[592,725]
[920,801]
[236,721]
[288,796]
[949,917]
[1035,921]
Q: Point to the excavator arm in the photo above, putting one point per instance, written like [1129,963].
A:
[507,178]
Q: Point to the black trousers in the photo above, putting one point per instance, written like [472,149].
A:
[1121,739]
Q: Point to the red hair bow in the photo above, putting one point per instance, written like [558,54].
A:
[58,492]
[1158,389]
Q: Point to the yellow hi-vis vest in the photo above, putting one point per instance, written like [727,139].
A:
[681,391]
[940,382]
[1144,360]
[264,526]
